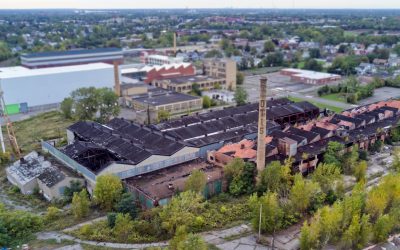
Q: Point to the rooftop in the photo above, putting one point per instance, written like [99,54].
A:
[29,167]
[276,108]
[165,98]
[18,71]
[148,68]
[71,52]
[310,74]
[119,140]
[192,79]
[51,176]
[167,182]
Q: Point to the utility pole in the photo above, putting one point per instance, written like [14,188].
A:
[259,223]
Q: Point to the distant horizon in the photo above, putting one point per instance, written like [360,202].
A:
[200,8]
[198,4]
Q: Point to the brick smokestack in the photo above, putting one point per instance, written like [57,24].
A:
[117,83]
[262,124]
[174,43]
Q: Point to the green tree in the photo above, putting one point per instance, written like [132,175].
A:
[302,193]
[196,89]
[80,204]
[17,226]
[330,223]
[107,191]
[357,234]
[108,104]
[349,160]
[396,160]
[5,52]
[74,187]
[239,78]
[163,115]
[360,170]
[123,227]
[327,176]
[52,213]
[240,96]
[271,213]
[196,181]
[66,107]
[353,204]
[182,210]
[180,236]
[240,177]
[309,236]
[86,102]
[269,46]
[206,102]
[313,64]
[214,53]
[184,241]
[315,53]
[127,205]
[276,178]
[193,242]
[377,201]
[334,154]
[382,228]
[397,49]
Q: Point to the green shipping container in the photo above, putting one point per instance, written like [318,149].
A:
[12,109]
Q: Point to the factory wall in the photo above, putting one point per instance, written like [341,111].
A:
[53,88]
[153,163]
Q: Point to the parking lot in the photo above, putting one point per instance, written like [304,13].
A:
[382,94]
[278,85]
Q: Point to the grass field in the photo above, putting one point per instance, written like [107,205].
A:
[338,97]
[318,104]
[45,126]
[301,64]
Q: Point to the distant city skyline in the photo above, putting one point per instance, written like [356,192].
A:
[162,4]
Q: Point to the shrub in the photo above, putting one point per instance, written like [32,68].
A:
[52,213]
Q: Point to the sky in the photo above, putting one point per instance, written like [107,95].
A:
[158,4]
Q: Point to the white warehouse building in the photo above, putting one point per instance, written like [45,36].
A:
[51,85]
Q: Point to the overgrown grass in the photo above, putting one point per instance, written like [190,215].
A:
[67,219]
[46,126]
[34,202]
[221,212]
[337,97]
[318,104]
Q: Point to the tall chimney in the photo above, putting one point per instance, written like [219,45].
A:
[174,43]
[117,84]
[262,124]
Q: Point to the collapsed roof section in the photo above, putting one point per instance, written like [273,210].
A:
[97,145]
